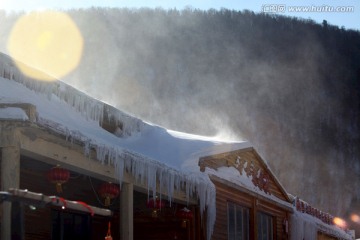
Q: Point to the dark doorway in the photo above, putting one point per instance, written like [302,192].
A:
[164,225]
[68,225]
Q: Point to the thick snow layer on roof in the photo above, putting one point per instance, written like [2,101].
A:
[13,113]
[171,148]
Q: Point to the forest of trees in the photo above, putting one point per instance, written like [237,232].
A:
[290,86]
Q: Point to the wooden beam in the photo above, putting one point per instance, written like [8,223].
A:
[40,145]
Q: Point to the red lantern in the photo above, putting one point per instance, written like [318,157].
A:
[155,205]
[185,215]
[108,191]
[58,176]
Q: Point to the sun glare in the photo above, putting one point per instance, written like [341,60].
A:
[48,41]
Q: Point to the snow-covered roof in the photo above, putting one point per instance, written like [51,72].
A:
[147,151]
[174,149]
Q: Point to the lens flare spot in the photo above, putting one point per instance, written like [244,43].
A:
[355,218]
[48,41]
[44,40]
[340,222]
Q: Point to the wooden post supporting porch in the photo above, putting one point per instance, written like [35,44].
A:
[127,213]
[10,178]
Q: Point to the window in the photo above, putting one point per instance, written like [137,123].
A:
[265,226]
[238,222]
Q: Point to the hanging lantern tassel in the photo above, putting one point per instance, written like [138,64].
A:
[108,191]
[58,176]
[107,201]
[183,223]
[58,188]
[155,204]
[108,235]
[185,215]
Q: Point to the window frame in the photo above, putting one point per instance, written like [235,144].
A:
[264,218]
[235,231]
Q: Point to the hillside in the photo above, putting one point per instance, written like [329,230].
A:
[289,86]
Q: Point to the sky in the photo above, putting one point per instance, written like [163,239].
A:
[343,13]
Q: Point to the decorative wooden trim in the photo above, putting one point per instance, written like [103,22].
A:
[248,162]
[288,207]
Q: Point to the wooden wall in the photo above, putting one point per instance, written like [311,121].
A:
[225,194]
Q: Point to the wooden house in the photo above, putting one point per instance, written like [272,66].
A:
[158,184]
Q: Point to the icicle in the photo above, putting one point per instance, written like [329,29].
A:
[119,168]
[87,148]
[101,152]
[151,179]
[160,183]
[170,186]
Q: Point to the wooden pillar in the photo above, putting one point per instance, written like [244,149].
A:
[127,211]
[10,178]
